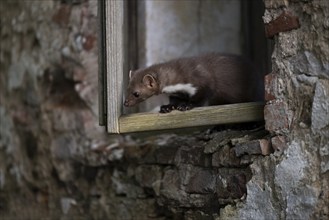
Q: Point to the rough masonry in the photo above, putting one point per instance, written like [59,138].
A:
[57,163]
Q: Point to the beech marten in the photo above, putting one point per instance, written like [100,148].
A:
[211,79]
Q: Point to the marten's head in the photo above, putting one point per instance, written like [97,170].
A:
[142,85]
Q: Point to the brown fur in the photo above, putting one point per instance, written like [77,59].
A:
[219,79]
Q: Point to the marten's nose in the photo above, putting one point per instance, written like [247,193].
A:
[126,103]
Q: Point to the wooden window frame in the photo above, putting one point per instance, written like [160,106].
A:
[113,68]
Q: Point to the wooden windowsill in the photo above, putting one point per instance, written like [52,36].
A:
[212,115]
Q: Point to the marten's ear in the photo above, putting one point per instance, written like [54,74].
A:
[130,74]
[149,81]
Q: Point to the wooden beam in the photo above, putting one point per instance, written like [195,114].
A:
[115,58]
[212,115]
[102,106]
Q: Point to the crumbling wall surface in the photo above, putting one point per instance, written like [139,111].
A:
[48,104]
[295,184]
[57,163]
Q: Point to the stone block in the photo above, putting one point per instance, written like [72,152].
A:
[65,120]
[61,147]
[237,186]
[21,116]
[200,181]
[171,182]
[288,47]
[225,157]
[172,193]
[62,16]
[197,214]
[248,159]
[297,167]
[275,3]
[320,108]
[230,186]
[315,66]
[324,155]
[285,22]
[191,155]
[279,143]
[149,176]
[250,148]
[164,155]
[121,185]
[221,139]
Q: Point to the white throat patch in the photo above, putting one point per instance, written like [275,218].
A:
[186,88]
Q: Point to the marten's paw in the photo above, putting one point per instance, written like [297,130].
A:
[184,107]
[180,107]
[167,108]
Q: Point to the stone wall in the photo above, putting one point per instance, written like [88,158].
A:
[57,163]
[294,185]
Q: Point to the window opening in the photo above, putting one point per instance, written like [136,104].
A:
[138,28]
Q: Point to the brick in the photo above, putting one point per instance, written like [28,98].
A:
[276,116]
[89,42]
[269,87]
[285,22]
[265,147]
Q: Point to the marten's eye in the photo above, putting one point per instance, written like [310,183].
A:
[136,94]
